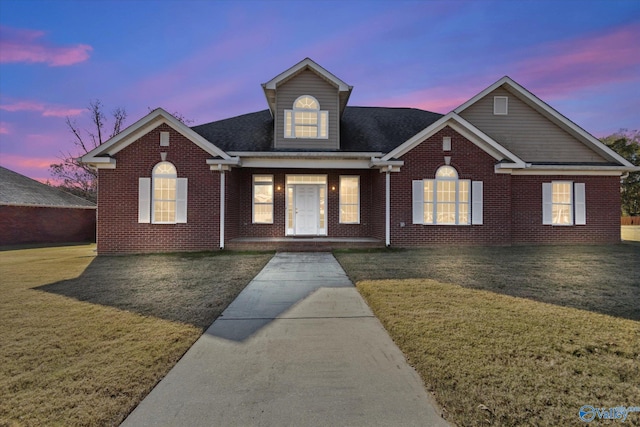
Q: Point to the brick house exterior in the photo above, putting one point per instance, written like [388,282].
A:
[32,212]
[504,168]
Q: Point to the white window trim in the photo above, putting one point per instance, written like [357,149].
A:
[253,198]
[146,212]
[577,201]
[474,203]
[500,109]
[321,126]
[357,177]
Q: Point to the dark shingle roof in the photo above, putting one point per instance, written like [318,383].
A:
[16,189]
[362,129]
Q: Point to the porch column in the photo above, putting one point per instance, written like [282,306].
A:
[387,211]
[222,196]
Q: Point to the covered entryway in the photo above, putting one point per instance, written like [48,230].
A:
[306,205]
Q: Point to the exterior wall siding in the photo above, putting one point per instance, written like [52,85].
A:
[527,133]
[118,228]
[28,224]
[602,210]
[307,83]
[471,163]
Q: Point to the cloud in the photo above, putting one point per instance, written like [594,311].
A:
[45,110]
[560,68]
[26,46]
[4,128]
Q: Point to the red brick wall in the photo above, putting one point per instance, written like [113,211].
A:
[378,204]
[602,209]
[118,227]
[471,163]
[25,224]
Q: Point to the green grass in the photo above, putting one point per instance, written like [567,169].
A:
[504,336]
[84,339]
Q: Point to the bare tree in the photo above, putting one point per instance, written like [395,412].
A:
[76,177]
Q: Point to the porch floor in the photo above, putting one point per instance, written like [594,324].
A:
[302,244]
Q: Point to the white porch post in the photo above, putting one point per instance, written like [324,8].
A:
[222,196]
[387,211]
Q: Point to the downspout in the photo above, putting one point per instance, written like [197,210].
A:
[387,209]
[222,197]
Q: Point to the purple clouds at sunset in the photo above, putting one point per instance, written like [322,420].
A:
[206,60]
[22,45]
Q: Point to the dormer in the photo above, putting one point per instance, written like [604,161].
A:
[306,103]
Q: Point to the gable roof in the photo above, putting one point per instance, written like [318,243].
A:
[19,190]
[102,154]
[550,114]
[270,87]
[362,129]
[463,127]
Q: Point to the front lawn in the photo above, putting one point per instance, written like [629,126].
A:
[512,336]
[84,339]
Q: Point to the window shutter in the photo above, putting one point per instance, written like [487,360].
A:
[580,205]
[418,202]
[144,200]
[288,124]
[181,200]
[546,203]
[476,202]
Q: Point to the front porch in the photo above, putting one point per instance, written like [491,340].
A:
[302,244]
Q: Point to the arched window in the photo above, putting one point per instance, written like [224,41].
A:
[446,198]
[164,193]
[162,198]
[306,120]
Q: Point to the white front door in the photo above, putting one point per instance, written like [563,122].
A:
[306,209]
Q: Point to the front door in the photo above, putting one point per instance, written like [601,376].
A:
[306,209]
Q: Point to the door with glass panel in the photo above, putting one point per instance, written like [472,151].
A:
[306,205]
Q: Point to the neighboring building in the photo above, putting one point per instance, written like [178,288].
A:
[31,212]
[504,168]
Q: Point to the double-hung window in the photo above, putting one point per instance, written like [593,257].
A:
[447,200]
[563,203]
[306,120]
[162,199]
[263,199]
[350,199]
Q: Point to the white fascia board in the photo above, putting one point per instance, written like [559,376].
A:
[386,165]
[418,138]
[307,62]
[223,164]
[545,109]
[566,170]
[300,163]
[463,127]
[145,125]
[482,94]
[99,162]
[305,154]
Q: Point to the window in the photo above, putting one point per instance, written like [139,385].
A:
[563,203]
[162,199]
[263,199]
[447,200]
[306,120]
[350,199]
[500,105]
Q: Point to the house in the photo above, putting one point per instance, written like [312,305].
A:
[32,212]
[504,168]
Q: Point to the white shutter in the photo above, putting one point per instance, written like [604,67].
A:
[288,124]
[181,200]
[144,200]
[418,202]
[580,205]
[546,203]
[476,203]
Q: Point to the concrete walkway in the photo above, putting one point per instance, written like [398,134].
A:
[298,347]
